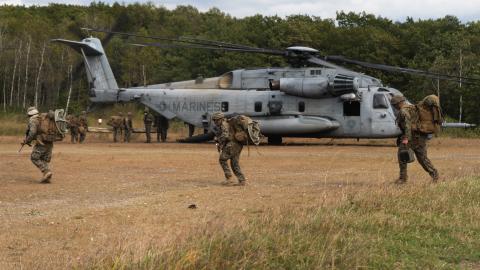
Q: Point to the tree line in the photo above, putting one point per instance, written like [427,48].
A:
[34,71]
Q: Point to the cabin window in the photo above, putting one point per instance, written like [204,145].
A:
[258,106]
[275,107]
[315,72]
[224,106]
[301,106]
[351,108]
[380,101]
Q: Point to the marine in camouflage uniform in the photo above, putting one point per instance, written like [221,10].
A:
[82,126]
[42,151]
[412,139]
[147,121]
[161,123]
[128,124]
[229,149]
[72,123]
[116,122]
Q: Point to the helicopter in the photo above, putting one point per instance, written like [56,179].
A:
[312,98]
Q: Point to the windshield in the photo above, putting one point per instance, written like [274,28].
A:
[380,101]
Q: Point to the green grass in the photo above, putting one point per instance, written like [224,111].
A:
[13,124]
[409,227]
[461,132]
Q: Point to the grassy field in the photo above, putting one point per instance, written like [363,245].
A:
[410,227]
[309,204]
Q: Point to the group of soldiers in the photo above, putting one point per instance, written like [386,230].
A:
[228,147]
[78,127]
[123,126]
[159,122]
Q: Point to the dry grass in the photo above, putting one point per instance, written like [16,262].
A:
[422,227]
[309,205]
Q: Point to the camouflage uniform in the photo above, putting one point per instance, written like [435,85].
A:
[72,123]
[417,141]
[161,123]
[83,126]
[229,149]
[116,122]
[127,123]
[147,121]
[42,151]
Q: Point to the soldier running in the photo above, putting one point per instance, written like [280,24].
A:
[42,150]
[229,149]
[412,139]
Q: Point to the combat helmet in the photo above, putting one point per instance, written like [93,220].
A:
[32,111]
[397,99]
[218,116]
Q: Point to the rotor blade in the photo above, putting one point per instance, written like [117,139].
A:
[161,45]
[321,62]
[403,70]
[195,41]
[129,34]
[218,43]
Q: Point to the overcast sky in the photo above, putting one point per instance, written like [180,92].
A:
[397,10]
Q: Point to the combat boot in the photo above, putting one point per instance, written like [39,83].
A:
[241,183]
[400,181]
[46,177]
[227,182]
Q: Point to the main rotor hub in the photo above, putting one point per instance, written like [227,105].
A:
[298,55]
[302,50]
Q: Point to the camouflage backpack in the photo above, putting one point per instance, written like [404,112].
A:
[427,116]
[115,121]
[52,126]
[244,130]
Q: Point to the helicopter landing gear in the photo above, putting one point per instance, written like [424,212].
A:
[275,140]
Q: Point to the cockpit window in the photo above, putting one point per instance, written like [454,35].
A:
[380,101]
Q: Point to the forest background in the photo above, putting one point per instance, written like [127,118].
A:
[35,71]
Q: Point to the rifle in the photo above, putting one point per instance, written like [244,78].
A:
[23,143]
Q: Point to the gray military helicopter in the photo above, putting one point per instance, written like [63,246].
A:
[325,100]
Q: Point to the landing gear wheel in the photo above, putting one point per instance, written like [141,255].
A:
[275,140]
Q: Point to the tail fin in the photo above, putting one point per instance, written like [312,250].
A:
[102,83]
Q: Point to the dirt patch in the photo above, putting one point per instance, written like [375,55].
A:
[109,197]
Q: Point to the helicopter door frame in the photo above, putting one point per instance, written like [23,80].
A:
[352,115]
[382,114]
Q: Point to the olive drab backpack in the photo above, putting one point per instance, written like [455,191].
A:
[244,129]
[429,117]
[52,126]
[115,121]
